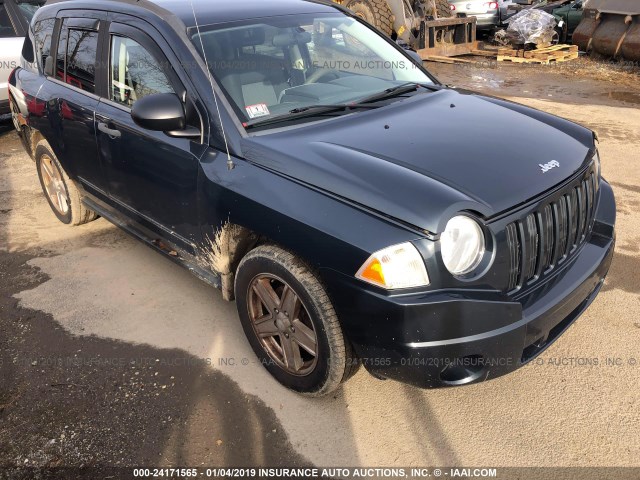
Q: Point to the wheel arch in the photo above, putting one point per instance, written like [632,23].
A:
[323,230]
[33,140]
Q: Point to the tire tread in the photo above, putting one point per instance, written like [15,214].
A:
[344,363]
[80,214]
[383,18]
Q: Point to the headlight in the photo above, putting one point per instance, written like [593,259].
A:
[400,266]
[462,245]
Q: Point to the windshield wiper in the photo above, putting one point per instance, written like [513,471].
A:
[305,112]
[397,91]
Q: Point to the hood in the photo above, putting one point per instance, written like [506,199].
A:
[423,159]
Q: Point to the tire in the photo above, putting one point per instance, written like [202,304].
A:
[267,271]
[375,12]
[14,115]
[443,9]
[67,206]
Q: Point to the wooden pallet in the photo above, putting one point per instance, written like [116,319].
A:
[463,58]
[543,56]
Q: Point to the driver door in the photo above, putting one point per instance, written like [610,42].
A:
[151,176]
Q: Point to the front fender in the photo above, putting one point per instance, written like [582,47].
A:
[323,230]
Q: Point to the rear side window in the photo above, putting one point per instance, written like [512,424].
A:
[6,29]
[77,58]
[134,72]
[42,33]
[61,55]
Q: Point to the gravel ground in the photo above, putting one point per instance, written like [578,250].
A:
[112,355]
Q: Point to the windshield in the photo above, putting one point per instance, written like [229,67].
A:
[269,67]
[28,8]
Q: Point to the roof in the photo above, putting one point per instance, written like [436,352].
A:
[222,11]
[215,11]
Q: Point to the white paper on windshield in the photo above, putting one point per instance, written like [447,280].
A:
[257,110]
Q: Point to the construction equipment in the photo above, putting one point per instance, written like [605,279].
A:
[610,28]
[426,26]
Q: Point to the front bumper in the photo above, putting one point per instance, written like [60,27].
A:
[446,338]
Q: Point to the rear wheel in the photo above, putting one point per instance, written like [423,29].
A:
[376,12]
[290,322]
[61,192]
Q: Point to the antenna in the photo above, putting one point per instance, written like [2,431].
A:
[230,164]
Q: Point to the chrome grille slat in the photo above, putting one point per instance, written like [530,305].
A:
[585,214]
[562,229]
[592,199]
[514,254]
[546,237]
[572,217]
[589,195]
[581,210]
[531,242]
[547,242]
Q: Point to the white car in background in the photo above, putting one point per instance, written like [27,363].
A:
[15,16]
[489,14]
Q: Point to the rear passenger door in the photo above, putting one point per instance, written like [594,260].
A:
[152,177]
[72,98]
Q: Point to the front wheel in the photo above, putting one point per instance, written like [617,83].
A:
[290,322]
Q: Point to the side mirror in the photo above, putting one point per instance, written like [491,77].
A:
[48,66]
[161,112]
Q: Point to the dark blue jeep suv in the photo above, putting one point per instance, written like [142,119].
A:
[292,156]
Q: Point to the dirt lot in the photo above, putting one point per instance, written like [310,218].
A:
[113,355]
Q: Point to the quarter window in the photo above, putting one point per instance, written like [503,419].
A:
[135,73]
[42,33]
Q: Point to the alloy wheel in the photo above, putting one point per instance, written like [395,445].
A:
[282,324]
[54,184]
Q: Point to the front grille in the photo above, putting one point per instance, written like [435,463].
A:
[548,236]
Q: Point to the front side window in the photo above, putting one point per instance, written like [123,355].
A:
[134,72]
[272,66]
[81,52]
[6,29]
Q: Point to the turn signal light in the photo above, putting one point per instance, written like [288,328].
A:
[399,266]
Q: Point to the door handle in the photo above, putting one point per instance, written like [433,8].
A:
[104,128]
